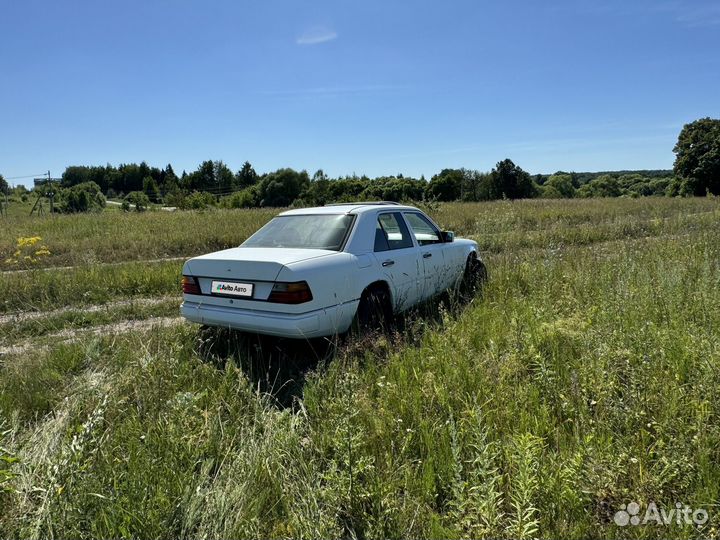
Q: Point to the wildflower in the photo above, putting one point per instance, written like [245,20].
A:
[27,242]
[24,250]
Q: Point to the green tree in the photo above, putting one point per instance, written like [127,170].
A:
[445,186]
[697,161]
[474,185]
[129,178]
[317,192]
[79,174]
[138,199]
[169,182]
[224,178]
[246,176]
[394,188]
[511,182]
[151,189]
[211,176]
[203,179]
[4,187]
[74,175]
[282,187]
[602,186]
[562,183]
[550,192]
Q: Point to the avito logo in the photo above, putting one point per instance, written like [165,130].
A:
[681,515]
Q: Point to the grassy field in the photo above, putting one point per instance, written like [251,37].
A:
[585,378]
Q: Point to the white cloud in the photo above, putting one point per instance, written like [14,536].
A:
[318,34]
[701,16]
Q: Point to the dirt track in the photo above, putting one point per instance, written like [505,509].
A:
[70,335]
[47,268]
[19,316]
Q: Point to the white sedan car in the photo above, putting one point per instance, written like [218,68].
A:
[314,272]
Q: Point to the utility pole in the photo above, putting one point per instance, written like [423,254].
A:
[44,188]
[51,194]
[38,206]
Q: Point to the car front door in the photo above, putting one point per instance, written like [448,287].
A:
[399,259]
[436,275]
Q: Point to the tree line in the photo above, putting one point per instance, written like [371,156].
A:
[696,172]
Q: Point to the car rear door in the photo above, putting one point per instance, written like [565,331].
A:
[436,274]
[399,258]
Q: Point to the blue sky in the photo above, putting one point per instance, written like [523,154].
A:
[354,87]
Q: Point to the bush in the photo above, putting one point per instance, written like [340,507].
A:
[85,197]
[138,199]
[550,192]
[247,198]
[175,198]
[197,200]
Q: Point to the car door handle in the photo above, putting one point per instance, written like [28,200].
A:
[388,263]
[427,255]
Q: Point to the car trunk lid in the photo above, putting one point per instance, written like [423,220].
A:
[252,268]
[244,263]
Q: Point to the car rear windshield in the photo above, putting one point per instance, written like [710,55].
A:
[323,231]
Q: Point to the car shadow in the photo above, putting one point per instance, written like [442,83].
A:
[278,367]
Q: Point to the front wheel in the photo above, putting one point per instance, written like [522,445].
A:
[474,278]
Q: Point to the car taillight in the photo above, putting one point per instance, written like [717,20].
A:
[190,285]
[290,293]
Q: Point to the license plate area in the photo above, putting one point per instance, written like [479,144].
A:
[232,288]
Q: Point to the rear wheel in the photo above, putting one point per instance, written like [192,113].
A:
[374,311]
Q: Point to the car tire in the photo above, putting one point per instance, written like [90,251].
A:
[373,311]
[474,277]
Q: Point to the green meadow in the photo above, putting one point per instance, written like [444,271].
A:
[584,377]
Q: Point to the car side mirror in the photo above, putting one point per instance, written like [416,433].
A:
[448,236]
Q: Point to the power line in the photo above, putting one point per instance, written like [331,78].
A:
[22,177]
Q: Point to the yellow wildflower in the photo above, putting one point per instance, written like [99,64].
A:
[28,241]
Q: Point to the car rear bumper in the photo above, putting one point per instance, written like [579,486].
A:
[322,322]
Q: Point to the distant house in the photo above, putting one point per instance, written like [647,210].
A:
[45,181]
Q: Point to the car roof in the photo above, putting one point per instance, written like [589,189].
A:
[347,208]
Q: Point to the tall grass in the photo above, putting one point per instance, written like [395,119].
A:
[119,237]
[86,239]
[39,290]
[498,227]
[585,378]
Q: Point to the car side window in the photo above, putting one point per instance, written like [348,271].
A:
[391,233]
[381,238]
[423,229]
